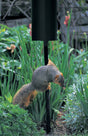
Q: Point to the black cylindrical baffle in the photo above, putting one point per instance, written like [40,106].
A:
[44,23]
[44,28]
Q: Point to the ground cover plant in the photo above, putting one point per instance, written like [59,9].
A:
[15,121]
[76,104]
[20,56]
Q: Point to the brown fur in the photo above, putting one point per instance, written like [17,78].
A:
[41,79]
[30,98]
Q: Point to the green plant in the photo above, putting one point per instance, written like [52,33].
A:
[11,61]
[29,58]
[15,121]
[77,104]
[81,2]
[80,134]
[9,79]
[81,62]
[17,68]
[19,65]
[38,107]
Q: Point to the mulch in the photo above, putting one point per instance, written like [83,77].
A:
[60,128]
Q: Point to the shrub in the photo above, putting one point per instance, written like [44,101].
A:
[15,121]
[77,104]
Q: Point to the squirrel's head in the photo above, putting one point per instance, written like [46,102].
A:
[59,79]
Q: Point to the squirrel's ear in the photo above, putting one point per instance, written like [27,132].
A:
[61,74]
[51,63]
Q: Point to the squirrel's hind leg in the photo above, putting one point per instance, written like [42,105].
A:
[30,98]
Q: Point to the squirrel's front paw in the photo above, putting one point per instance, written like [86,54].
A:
[49,86]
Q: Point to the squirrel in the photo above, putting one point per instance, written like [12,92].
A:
[41,79]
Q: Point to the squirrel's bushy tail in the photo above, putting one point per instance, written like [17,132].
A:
[24,95]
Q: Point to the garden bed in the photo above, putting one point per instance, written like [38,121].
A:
[20,56]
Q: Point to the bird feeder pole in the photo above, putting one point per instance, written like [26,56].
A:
[44,28]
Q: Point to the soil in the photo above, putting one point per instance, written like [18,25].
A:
[60,128]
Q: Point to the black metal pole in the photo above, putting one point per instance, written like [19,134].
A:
[0,9]
[46,52]
[44,28]
[47,91]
